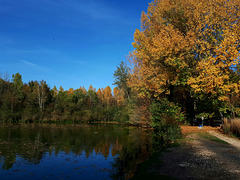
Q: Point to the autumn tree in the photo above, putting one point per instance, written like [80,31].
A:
[99,93]
[186,47]
[70,91]
[162,57]
[61,89]
[118,96]
[55,91]
[107,95]
[217,48]
[107,103]
[83,89]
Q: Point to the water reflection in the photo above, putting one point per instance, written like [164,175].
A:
[87,152]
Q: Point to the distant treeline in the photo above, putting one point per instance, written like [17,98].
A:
[35,101]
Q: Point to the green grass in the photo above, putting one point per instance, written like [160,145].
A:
[210,137]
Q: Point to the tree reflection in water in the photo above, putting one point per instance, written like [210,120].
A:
[103,151]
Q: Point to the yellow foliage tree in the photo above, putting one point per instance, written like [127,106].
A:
[118,95]
[91,88]
[70,91]
[99,93]
[83,90]
[61,89]
[162,55]
[187,43]
[107,95]
[218,49]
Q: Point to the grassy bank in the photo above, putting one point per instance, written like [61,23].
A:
[232,127]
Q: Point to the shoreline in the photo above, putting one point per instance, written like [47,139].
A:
[47,124]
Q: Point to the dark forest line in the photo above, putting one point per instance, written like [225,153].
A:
[36,102]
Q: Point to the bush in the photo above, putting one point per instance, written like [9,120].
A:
[166,135]
[166,117]
[165,113]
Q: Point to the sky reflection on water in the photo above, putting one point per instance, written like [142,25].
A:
[72,152]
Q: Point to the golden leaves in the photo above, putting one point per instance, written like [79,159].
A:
[193,41]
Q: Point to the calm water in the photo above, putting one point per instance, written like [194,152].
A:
[68,152]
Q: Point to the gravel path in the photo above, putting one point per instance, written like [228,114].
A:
[233,141]
[200,158]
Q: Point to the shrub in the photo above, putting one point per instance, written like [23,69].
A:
[165,135]
[165,113]
[166,117]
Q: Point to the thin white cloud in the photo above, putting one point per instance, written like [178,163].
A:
[29,63]
[35,66]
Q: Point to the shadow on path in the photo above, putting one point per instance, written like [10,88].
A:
[199,158]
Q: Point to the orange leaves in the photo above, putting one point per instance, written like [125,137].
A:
[213,79]
[83,90]
[70,91]
[100,94]
[219,42]
[61,89]
[118,95]
[107,94]
[208,78]
[162,49]
[187,41]
[91,88]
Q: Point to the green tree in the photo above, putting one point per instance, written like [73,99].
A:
[17,85]
[16,97]
[6,112]
[31,107]
[121,76]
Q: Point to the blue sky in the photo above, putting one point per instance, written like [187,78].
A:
[71,43]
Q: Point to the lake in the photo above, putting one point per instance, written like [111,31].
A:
[98,151]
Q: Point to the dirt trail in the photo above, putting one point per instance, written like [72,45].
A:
[201,158]
[234,142]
